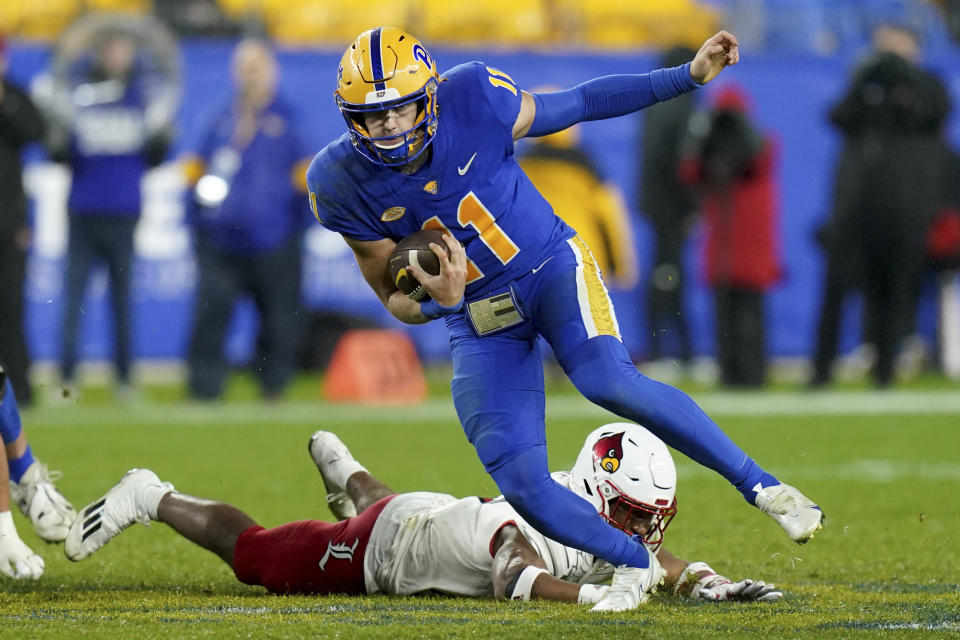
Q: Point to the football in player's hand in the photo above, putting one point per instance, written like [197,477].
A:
[415,249]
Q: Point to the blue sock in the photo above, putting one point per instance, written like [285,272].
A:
[19,466]
[10,426]
[754,480]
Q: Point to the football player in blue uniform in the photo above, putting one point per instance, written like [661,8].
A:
[25,481]
[429,151]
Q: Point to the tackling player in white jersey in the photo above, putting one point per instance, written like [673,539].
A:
[409,543]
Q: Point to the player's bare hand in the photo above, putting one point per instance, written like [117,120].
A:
[447,287]
[722,50]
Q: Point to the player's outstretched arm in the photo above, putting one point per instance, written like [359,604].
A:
[519,573]
[698,581]
[616,95]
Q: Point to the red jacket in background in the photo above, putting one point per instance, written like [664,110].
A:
[740,213]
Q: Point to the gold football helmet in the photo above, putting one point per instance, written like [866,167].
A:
[386,68]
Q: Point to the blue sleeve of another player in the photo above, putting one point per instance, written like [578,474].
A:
[330,208]
[608,97]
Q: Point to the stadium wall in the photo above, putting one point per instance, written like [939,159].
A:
[790,96]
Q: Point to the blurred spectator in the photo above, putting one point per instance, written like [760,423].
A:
[189,18]
[20,123]
[943,256]
[670,207]
[942,241]
[733,165]
[889,182]
[110,141]
[832,27]
[951,10]
[249,210]
[569,179]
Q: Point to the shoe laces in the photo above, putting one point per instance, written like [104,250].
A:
[51,476]
[36,475]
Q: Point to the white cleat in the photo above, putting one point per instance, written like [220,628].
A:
[631,587]
[39,500]
[799,516]
[327,449]
[120,507]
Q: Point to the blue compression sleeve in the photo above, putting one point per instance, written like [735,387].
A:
[608,97]
[603,372]
[560,514]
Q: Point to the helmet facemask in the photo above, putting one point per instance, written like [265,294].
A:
[399,148]
[627,514]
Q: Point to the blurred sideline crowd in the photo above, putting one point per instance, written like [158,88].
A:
[817,26]
[107,105]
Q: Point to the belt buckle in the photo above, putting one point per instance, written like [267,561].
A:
[494,314]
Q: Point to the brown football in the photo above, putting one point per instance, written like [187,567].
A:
[415,249]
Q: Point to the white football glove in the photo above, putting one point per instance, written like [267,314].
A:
[715,588]
[631,587]
[592,593]
[744,590]
[17,560]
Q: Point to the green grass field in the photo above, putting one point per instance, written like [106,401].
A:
[885,468]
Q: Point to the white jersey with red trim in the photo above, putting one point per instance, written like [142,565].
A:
[435,542]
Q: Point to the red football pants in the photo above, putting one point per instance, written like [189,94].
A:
[308,557]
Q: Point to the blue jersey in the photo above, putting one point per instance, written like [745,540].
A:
[262,208]
[107,150]
[471,186]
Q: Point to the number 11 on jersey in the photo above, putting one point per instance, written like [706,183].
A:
[472,213]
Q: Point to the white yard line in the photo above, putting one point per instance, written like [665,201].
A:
[862,470]
[562,406]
